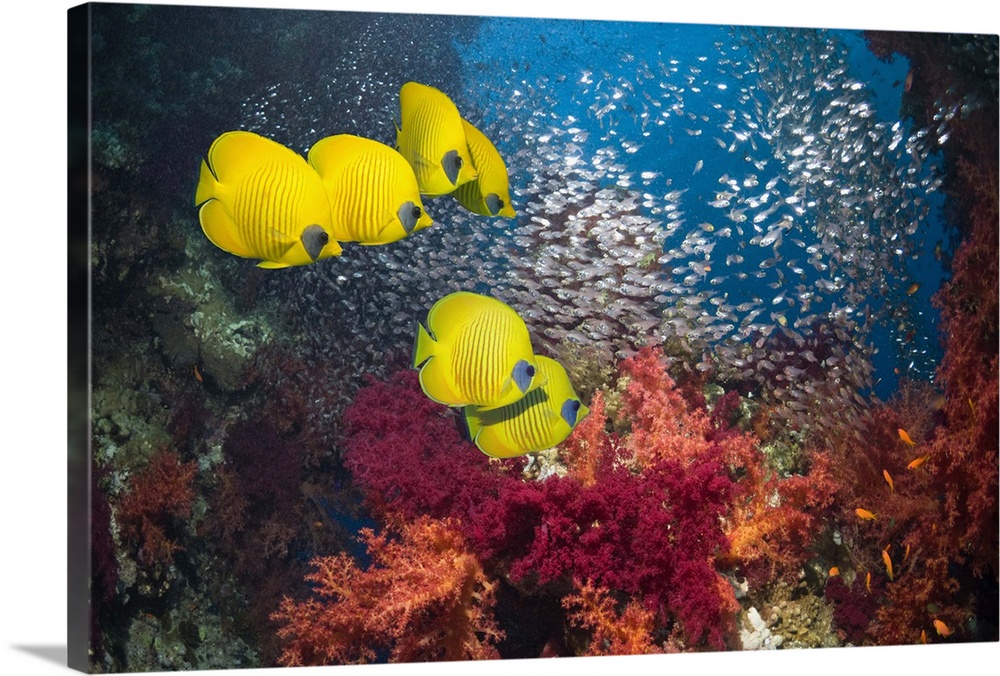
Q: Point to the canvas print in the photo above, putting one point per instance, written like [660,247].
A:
[415,337]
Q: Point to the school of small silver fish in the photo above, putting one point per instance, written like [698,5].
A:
[612,247]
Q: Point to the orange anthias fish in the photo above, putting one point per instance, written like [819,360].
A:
[917,462]
[868,582]
[942,628]
[834,572]
[906,437]
[888,563]
[923,636]
[888,480]
[865,514]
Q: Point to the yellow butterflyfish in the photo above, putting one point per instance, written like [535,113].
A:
[489,193]
[475,350]
[431,137]
[373,193]
[259,199]
[539,420]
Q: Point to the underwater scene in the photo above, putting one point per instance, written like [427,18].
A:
[419,337]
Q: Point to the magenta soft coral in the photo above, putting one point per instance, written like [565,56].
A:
[409,457]
[653,536]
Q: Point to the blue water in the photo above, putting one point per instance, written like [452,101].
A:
[576,62]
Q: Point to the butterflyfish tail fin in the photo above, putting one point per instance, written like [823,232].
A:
[220,229]
[423,346]
[208,184]
[472,425]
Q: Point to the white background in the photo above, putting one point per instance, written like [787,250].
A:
[33,330]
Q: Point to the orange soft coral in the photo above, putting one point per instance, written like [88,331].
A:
[628,632]
[775,520]
[589,444]
[424,597]
[663,425]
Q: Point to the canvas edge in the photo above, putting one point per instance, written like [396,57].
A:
[78,340]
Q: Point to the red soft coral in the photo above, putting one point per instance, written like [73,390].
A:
[424,597]
[964,457]
[963,464]
[589,445]
[642,512]
[159,495]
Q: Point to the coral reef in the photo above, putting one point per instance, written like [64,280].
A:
[661,424]
[638,512]
[937,524]
[964,450]
[797,618]
[773,518]
[854,606]
[104,567]
[189,635]
[628,631]
[202,330]
[159,498]
[410,458]
[651,536]
[424,597]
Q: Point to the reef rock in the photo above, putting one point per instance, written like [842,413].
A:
[755,634]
